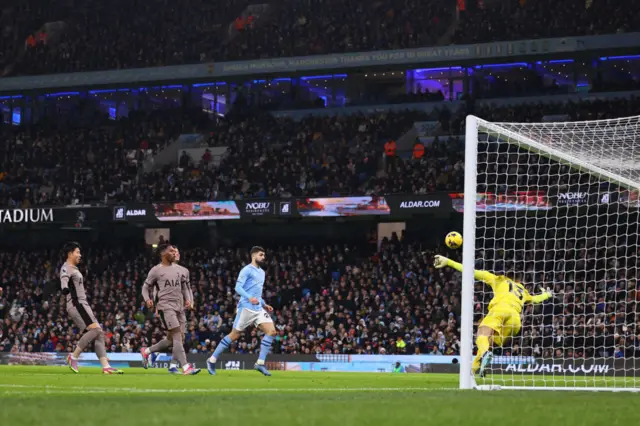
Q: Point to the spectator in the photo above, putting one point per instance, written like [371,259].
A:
[390,148]
[184,160]
[418,150]
[401,345]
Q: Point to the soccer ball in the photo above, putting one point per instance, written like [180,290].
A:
[453,240]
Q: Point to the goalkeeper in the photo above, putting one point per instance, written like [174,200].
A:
[503,320]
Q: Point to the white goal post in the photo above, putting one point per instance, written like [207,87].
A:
[555,205]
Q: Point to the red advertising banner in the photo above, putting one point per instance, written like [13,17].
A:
[514,201]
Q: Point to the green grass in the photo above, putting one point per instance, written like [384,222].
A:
[55,396]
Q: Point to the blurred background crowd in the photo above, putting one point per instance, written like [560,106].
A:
[40,38]
[266,157]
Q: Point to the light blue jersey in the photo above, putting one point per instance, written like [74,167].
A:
[249,284]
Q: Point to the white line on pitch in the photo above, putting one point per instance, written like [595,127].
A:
[77,389]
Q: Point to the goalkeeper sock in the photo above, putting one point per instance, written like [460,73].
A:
[222,346]
[483,346]
[265,348]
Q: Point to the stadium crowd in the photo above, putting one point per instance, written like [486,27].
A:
[546,19]
[40,38]
[270,157]
[266,157]
[57,164]
[115,35]
[314,27]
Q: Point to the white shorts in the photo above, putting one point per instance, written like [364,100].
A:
[248,317]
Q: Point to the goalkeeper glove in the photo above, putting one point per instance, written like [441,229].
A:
[547,292]
[440,261]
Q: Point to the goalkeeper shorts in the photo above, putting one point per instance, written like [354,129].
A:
[505,322]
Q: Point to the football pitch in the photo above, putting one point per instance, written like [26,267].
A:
[55,396]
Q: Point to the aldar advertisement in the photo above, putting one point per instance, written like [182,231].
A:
[133,213]
[514,367]
[436,203]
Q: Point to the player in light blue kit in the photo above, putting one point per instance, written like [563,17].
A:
[251,311]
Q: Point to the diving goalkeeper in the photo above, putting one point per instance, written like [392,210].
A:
[503,320]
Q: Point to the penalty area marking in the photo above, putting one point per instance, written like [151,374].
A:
[22,389]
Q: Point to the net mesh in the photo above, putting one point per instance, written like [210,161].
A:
[554,209]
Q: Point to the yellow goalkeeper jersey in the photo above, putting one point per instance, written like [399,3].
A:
[507,294]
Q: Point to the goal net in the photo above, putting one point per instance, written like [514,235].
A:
[554,205]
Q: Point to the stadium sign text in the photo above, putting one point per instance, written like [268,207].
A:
[123,213]
[572,198]
[136,212]
[602,369]
[26,216]
[423,204]
[258,208]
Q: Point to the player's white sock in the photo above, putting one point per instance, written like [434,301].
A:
[173,365]
[147,351]
[213,359]
[260,362]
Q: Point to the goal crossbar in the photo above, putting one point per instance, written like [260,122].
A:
[496,130]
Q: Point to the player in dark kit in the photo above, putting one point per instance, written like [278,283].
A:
[71,282]
[172,289]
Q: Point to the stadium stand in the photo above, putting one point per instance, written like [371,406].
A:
[116,35]
[315,27]
[266,157]
[545,19]
[40,39]
[59,164]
